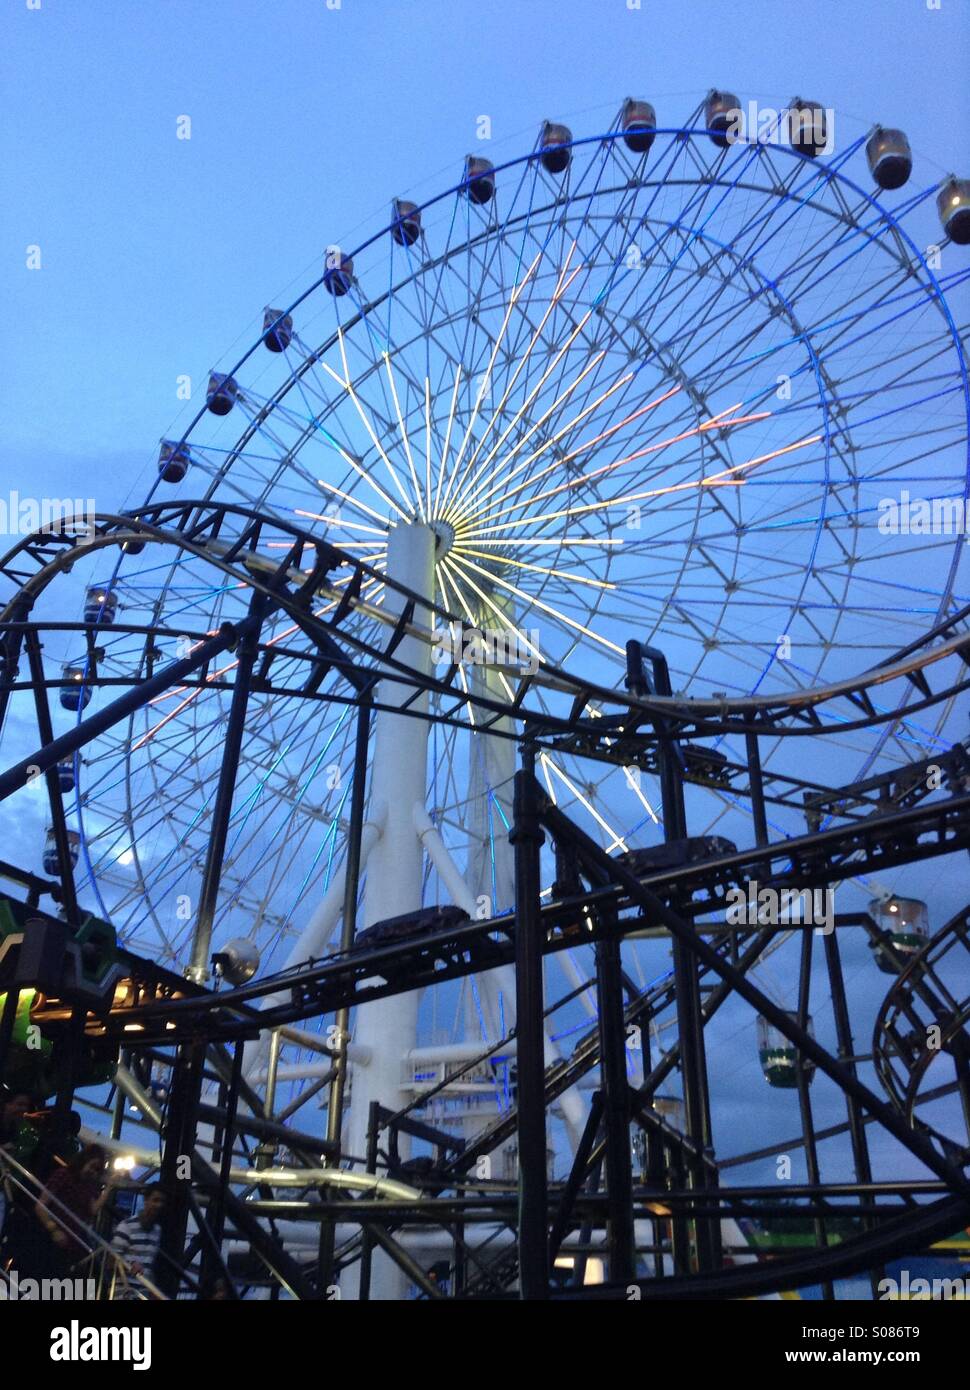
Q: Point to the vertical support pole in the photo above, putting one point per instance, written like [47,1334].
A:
[527,837]
[272,1072]
[395,865]
[198,968]
[366,1239]
[653,1149]
[843,1032]
[179,1142]
[335,1107]
[616,1115]
[118,1108]
[804,1096]
[459,1266]
[757,789]
[58,819]
[690,1020]
[65,1093]
[10,645]
[217,1208]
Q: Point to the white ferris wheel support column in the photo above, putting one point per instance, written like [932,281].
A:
[489,873]
[395,865]
[490,863]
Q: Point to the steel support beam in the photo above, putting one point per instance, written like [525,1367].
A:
[526,838]
[51,753]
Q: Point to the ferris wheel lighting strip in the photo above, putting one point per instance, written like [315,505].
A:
[471,618]
[344,545]
[541,569]
[404,436]
[634,785]
[580,448]
[593,363]
[493,605]
[561,287]
[618,840]
[355,502]
[451,626]
[508,689]
[472,490]
[339,521]
[487,375]
[464,686]
[447,443]
[537,388]
[553,540]
[538,603]
[361,472]
[557,463]
[714,480]
[715,422]
[427,445]
[549,787]
[365,421]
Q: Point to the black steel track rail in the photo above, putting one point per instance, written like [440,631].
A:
[920,832]
[205,529]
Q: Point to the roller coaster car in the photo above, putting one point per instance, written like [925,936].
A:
[424,922]
[421,923]
[704,762]
[675,854]
[414,1170]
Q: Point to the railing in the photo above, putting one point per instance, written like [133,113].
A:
[99,1264]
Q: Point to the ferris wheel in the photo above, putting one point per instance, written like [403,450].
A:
[655,383]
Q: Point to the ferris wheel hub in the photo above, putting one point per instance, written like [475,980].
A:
[444,537]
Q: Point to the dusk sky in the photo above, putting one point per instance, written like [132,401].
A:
[157,254]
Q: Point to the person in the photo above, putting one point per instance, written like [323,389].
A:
[136,1240]
[14,1106]
[70,1203]
[17,1138]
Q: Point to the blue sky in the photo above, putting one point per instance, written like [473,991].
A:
[158,254]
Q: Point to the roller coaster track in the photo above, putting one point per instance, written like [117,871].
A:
[892,819]
[920,832]
[229,537]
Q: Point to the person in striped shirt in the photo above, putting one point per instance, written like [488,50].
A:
[136,1240]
